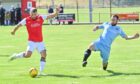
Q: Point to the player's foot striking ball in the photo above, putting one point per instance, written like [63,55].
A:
[35,38]
[103,44]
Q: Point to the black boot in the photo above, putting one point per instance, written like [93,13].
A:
[105,66]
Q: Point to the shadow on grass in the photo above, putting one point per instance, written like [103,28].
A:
[60,76]
[4,55]
[113,73]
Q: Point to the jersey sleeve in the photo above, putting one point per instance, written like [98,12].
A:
[122,33]
[101,26]
[22,22]
[44,17]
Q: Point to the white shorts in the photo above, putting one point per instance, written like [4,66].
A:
[40,46]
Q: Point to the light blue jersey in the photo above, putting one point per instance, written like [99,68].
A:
[103,44]
[110,33]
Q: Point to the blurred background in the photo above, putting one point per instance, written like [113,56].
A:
[85,11]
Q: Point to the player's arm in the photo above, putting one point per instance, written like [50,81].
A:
[15,29]
[54,14]
[99,27]
[135,36]
[23,22]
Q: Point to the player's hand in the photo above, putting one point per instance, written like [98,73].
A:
[12,33]
[136,35]
[94,29]
[58,9]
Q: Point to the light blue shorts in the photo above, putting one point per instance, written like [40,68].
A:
[104,50]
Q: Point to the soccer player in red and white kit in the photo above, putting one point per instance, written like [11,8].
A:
[35,39]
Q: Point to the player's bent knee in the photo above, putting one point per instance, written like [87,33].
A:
[28,54]
[91,47]
[43,53]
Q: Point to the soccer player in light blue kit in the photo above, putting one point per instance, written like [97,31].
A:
[103,44]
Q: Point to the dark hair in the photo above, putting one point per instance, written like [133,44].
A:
[116,16]
[33,10]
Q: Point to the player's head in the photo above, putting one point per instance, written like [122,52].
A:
[33,13]
[114,20]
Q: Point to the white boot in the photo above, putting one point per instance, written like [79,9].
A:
[15,56]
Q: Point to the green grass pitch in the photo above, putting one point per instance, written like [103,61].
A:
[65,46]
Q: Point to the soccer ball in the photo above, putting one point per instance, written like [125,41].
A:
[33,72]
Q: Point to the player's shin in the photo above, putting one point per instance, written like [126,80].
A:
[20,55]
[86,54]
[42,64]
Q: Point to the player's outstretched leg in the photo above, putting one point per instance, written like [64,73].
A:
[15,56]
[21,55]
[42,62]
[86,55]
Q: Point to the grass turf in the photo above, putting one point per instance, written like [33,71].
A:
[66,45]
